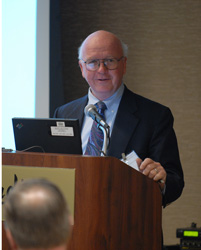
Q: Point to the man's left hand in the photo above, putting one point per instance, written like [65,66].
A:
[154,171]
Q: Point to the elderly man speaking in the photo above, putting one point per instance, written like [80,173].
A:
[136,123]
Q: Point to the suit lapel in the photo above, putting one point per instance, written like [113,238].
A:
[124,126]
[77,111]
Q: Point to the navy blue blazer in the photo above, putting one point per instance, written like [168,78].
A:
[145,127]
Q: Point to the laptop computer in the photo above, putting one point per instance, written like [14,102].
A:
[47,135]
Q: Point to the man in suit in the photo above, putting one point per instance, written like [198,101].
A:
[37,216]
[136,123]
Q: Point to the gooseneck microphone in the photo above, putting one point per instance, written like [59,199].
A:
[91,110]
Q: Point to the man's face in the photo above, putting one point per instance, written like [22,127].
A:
[103,82]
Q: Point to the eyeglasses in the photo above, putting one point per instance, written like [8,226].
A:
[109,63]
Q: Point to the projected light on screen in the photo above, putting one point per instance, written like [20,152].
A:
[18,64]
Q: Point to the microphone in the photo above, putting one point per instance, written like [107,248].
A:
[91,110]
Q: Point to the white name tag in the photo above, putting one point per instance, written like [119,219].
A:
[62,131]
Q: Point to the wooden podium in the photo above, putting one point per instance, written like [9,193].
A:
[116,207]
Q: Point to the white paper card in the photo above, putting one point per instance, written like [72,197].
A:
[130,160]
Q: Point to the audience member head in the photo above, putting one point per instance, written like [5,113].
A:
[37,216]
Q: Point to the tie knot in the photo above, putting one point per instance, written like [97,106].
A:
[101,106]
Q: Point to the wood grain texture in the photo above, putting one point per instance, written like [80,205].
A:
[116,207]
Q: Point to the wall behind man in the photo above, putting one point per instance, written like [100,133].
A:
[164,41]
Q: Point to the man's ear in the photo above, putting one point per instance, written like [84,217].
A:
[11,241]
[125,62]
[81,68]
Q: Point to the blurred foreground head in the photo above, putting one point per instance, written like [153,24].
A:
[37,216]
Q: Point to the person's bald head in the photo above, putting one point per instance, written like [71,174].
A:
[98,38]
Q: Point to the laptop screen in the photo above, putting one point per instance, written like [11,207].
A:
[47,135]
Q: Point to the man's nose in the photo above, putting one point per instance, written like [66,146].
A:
[102,67]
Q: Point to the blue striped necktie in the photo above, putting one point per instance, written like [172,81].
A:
[96,137]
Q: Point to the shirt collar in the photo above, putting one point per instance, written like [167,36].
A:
[109,101]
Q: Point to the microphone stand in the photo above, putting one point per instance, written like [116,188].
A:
[106,134]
